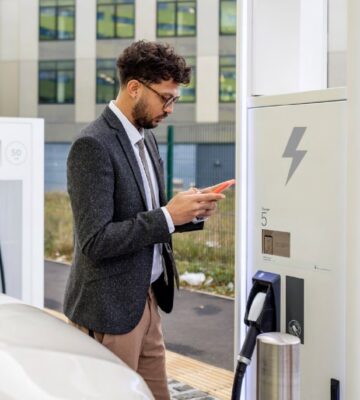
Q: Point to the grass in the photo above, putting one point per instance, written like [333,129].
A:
[210,251]
[58,227]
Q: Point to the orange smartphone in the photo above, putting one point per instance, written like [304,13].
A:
[224,185]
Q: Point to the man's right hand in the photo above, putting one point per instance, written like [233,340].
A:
[185,206]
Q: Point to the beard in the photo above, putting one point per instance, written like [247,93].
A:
[142,118]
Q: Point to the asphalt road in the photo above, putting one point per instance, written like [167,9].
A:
[201,326]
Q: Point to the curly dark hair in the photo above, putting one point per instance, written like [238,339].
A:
[152,62]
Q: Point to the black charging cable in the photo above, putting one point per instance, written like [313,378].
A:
[2,275]
[244,359]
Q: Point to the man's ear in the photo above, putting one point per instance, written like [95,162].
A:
[133,88]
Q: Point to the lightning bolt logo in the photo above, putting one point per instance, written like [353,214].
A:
[292,152]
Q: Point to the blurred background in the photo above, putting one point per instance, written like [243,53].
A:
[57,62]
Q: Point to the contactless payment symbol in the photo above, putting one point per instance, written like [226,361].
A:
[294,328]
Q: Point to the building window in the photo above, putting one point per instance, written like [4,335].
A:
[107,83]
[188,93]
[227,17]
[176,18]
[57,20]
[115,19]
[56,82]
[227,79]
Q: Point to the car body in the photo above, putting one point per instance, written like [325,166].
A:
[44,358]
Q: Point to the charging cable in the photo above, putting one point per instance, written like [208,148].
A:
[2,275]
[244,358]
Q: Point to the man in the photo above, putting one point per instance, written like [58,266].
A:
[123,265]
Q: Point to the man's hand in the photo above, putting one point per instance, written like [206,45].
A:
[185,206]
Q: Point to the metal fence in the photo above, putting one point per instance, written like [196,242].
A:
[204,155]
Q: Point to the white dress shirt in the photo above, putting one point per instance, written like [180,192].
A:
[134,136]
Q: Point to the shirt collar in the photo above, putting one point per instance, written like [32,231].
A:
[133,134]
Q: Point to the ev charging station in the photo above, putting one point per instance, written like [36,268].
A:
[22,209]
[298,190]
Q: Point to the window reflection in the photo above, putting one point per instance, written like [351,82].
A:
[115,19]
[176,18]
[227,82]
[57,20]
[56,82]
[188,93]
[107,83]
[227,17]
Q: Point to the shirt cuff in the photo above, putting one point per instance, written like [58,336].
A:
[168,220]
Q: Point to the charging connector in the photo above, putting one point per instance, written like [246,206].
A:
[262,315]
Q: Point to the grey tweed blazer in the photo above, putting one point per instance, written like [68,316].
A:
[114,233]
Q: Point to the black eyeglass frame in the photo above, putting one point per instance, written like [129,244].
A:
[166,100]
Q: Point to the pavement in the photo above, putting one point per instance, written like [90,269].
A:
[199,336]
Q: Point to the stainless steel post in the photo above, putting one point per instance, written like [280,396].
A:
[278,367]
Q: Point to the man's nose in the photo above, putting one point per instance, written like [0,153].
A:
[169,109]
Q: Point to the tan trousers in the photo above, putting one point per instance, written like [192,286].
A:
[142,349]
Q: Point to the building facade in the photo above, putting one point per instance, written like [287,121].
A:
[57,62]
[57,57]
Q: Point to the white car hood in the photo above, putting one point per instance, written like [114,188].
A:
[43,358]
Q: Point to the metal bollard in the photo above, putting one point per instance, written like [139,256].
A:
[278,367]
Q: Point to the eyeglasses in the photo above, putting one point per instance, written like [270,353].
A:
[166,100]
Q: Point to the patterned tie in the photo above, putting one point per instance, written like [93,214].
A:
[141,146]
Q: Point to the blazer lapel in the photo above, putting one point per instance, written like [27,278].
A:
[128,150]
[159,171]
